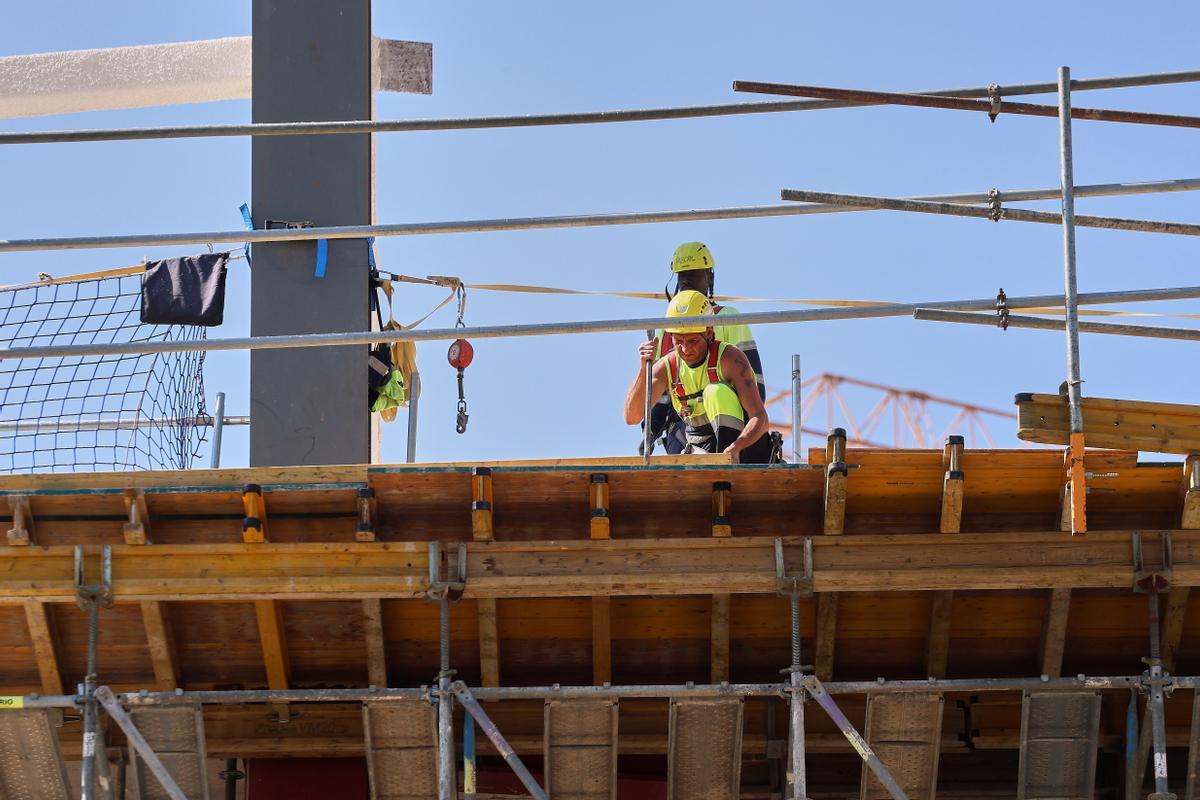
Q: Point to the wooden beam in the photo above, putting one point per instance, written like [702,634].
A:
[834,523]
[600,529]
[377,674]
[483,530]
[254,525]
[274,648]
[722,506]
[720,638]
[601,640]
[618,567]
[137,523]
[827,614]
[44,639]
[940,614]
[1177,599]
[21,532]
[1054,632]
[950,521]
[1115,424]
[161,644]
[489,644]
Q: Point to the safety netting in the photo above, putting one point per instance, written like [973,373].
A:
[90,413]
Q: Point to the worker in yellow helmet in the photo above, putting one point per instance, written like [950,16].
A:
[693,266]
[711,387]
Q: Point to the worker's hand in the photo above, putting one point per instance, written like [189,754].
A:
[646,349]
[734,451]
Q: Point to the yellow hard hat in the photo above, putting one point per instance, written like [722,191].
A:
[689,303]
[692,255]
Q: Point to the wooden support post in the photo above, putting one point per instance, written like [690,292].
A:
[376,651]
[274,647]
[1078,480]
[827,613]
[44,640]
[1177,599]
[161,643]
[601,640]
[483,530]
[722,504]
[942,606]
[720,638]
[600,528]
[836,473]
[137,526]
[598,498]
[367,514]
[254,525]
[21,532]
[481,504]
[1054,632]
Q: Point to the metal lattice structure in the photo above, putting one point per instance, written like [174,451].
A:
[102,412]
[917,419]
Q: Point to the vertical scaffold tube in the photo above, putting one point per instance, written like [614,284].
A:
[90,712]
[218,431]
[799,773]
[447,783]
[647,437]
[1158,724]
[414,398]
[796,457]
[1071,303]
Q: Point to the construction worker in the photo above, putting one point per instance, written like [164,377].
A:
[693,265]
[711,386]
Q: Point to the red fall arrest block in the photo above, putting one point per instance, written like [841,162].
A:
[460,356]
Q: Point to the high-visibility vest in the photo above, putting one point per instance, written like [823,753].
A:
[686,385]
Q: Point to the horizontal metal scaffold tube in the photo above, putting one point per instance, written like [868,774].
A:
[1017,321]
[964,104]
[1017,214]
[34,426]
[597,326]
[539,120]
[240,696]
[575,221]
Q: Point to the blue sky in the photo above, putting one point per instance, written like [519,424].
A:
[558,397]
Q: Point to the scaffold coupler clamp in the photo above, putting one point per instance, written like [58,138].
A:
[993,93]
[450,587]
[89,594]
[1002,310]
[1152,580]
[995,209]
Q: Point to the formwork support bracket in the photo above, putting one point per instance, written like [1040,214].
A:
[787,585]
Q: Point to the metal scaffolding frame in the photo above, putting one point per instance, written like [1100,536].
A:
[1154,684]
[447,583]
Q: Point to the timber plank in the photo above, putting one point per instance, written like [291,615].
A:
[1125,424]
[160,641]
[45,646]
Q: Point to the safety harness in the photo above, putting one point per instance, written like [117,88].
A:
[677,387]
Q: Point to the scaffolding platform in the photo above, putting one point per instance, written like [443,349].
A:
[302,579]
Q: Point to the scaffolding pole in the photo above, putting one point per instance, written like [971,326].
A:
[1038,323]
[596,326]
[1016,214]
[542,120]
[554,222]
[863,96]
[1071,305]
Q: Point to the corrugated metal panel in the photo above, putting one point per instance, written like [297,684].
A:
[176,735]
[31,764]
[1059,734]
[704,761]
[402,753]
[581,749]
[905,731]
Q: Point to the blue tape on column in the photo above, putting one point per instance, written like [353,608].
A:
[322,254]
[249,222]
[371,252]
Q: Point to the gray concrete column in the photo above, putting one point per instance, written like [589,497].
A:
[311,62]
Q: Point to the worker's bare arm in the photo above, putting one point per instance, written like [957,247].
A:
[635,398]
[736,369]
